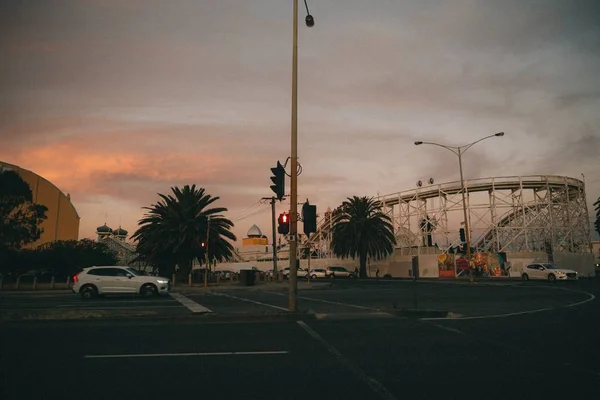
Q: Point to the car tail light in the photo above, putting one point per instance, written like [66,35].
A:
[75,277]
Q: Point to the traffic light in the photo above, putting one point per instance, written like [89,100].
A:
[284,223]
[462,235]
[278,180]
[309,217]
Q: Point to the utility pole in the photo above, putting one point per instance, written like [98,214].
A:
[274,242]
[293,288]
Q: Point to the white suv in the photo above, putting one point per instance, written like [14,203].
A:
[94,281]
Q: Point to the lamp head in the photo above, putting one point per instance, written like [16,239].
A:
[418,143]
[499,134]
[310,21]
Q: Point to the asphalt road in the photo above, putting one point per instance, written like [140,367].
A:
[514,341]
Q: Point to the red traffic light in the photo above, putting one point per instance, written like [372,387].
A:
[284,223]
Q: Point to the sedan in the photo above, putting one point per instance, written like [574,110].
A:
[549,272]
[318,273]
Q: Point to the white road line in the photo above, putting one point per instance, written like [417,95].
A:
[332,302]
[488,316]
[447,328]
[250,301]
[190,304]
[230,353]
[372,383]
[591,298]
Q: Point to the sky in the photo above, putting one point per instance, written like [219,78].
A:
[115,101]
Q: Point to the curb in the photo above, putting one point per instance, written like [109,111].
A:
[205,318]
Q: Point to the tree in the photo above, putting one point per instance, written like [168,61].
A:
[597,222]
[173,231]
[361,229]
[64,257]
[20,218]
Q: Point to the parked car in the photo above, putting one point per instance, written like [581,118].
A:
[549,272]
[225,274]
[301,273]
[339,272]
[98,281]
[318,273]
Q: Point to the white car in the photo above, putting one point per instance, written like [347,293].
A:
[339,272]
[95,281]
[300,273]
[318,273]
[549,272]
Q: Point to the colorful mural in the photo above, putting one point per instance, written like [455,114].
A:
[446,266]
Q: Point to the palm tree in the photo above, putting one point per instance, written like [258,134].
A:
[362,230]
[174,231]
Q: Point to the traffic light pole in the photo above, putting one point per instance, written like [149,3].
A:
[274,243]
[293,289]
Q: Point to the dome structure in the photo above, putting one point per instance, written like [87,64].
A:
[120,232]
[104,229]
[254,231]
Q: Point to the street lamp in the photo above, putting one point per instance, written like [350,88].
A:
[293,291]
[459,151]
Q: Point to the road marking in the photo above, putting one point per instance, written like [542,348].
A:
[488,316]
[372,383]
[332,302]
[249,301]
[591,298]
[230,353]
[190,304]
[445,328]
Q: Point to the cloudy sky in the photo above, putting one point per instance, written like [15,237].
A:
[117,100]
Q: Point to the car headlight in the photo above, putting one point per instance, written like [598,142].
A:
[162,281]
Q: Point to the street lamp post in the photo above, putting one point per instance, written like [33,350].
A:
[293,290]
[459,151]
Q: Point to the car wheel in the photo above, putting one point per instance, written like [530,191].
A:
[88,292]
[313,276]
[551,278]
[525,277]
[148,290]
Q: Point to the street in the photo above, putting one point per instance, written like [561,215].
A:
[512,340]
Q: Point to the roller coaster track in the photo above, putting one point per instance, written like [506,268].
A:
[551,183]
[516,214]
[484,185]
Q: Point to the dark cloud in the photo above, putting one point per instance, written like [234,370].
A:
[115,101]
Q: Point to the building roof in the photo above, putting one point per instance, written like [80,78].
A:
[120,232]
[104,229]
[254,231]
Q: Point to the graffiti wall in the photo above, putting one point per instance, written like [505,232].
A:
[446,266]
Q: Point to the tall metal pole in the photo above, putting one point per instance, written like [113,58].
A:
[274,242]
[293,289]
[464,201]
[207,267]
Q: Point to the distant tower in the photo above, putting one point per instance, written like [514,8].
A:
[103,231]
